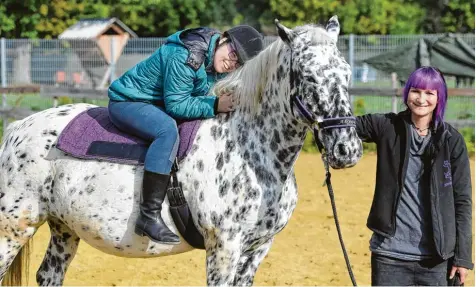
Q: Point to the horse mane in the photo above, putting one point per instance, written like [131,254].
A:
[248,82]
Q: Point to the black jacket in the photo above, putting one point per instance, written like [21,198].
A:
[451,191]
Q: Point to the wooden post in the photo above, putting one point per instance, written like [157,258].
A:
[395,97]
[3,72]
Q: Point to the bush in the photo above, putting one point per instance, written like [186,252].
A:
[359,107]
[63,100]
[468,135]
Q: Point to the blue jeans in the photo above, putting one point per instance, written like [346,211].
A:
[150,123]
[388,271]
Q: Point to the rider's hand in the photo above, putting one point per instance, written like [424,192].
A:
[226,103]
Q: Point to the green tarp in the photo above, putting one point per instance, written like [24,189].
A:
[450,54]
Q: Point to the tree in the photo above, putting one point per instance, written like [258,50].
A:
[154,18]
[18,19]
[458,16]
[58,15]
[358,17]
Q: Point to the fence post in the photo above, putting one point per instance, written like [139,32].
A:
[3,73]
[113,62]
[351,58]
[351,63]
[395,96]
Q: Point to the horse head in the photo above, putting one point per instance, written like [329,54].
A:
[319,78]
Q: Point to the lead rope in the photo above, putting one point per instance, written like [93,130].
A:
[334,209]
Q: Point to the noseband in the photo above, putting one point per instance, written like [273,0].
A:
[329,123]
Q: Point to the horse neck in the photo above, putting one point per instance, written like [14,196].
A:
[273,130]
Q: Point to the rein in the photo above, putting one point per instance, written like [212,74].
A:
[329,123]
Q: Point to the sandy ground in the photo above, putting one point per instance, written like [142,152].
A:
[306,252]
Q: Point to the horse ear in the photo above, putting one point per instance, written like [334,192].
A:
[286,34]
[333,27]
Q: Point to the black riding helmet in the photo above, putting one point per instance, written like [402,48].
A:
[247,41]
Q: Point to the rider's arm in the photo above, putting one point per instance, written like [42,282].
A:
[178,86]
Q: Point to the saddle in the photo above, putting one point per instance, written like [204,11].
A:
[92,136]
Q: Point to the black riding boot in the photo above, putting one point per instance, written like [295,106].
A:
[149,222]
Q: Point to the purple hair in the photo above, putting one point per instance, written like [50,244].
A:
[432,79]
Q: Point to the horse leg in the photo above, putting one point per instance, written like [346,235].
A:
[222,259]
[61,250]
[249,262]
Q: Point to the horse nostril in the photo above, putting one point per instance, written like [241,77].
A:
[341,148]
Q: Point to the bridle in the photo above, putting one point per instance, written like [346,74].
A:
[329,123]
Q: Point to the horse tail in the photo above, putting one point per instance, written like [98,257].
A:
[14,274]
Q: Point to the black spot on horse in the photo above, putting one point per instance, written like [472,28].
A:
[280,73]
[200,166]
[262,138]
[213,132]
[230,146]
[246,155]
[66,236]
[72,191]
[276,137]
[228,212]
[269,224]
[223,189]
[263,175]
[219,161]
[89,189]
[60,249]
[256,157]
[282,155]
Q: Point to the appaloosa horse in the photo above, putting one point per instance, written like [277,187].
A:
[238,178]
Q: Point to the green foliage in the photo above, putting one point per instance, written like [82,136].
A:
[64,100]
[468,135]
[458,17]
[159,18]
[309,144]
[18,19]
[359,107]
[358,17]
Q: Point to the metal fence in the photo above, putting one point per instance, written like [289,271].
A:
[81,64]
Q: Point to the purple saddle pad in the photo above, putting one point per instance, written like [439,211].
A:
[91,135]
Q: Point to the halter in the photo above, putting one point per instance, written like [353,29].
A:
[329,123]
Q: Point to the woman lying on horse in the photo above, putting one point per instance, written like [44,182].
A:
[173,83]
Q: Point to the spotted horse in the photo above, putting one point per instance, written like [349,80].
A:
[238,178]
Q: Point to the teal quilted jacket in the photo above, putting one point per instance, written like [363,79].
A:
[178,76]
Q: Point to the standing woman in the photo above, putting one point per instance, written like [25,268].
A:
[421,214]
[174,83]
